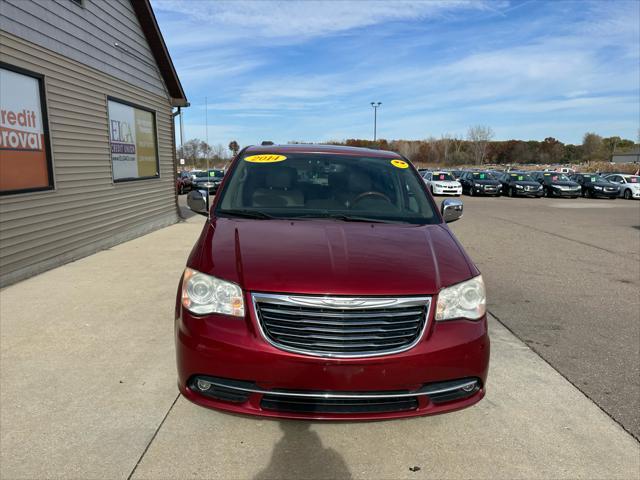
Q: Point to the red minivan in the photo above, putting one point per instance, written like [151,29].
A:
[326,284]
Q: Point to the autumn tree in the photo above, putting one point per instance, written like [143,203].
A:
[591,146]
[479,138]
[234,147]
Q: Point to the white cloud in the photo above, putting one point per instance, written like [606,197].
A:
[301,20]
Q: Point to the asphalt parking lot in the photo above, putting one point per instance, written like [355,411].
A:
[564,276]
[87,384]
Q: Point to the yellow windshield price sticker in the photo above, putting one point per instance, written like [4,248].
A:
[399,163]
[265,158]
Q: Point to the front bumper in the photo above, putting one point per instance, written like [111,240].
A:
[529,193]
[447,190]
[603,194]
[487,190]
[232,349]
[565,193]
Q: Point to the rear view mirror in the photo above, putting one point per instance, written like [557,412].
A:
[198,201]
[451,210]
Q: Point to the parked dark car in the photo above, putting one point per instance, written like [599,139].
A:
[208,180]
[519,184]
[593,186]
[456,174]
[183,182]
[326,284]
[480,183]
[557,184]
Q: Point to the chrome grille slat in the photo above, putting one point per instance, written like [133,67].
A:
[340,330]
[305,321]
[345,315]
[341,326]
[333,346]
[339,338]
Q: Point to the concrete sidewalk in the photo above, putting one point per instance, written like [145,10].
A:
[87,377]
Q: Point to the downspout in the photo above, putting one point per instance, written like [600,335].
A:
[175,160]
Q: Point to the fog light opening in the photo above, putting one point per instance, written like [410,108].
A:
[203,385]
[471,387]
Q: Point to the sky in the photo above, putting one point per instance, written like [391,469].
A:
[308,71]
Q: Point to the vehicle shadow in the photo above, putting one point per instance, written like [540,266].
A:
[299,454]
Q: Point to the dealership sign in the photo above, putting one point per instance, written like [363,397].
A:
[24,160]
[132,136]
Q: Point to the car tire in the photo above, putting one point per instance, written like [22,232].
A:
[471,194]
[180,190]
[627,194]
[548,193]
[510,192]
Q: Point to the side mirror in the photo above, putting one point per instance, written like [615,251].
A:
[451,210]
[198,201]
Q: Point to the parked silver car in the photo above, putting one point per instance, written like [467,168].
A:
[629,184]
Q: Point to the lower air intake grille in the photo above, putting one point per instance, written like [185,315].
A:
[340,326]
[303,405]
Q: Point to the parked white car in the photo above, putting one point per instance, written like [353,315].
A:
[629,184]
[442,183]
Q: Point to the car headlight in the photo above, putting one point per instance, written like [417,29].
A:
[519,186]
[203,294]
[464,300]
[597,188]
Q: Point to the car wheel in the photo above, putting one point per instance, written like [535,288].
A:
[471,192]
[627,194]
[511,193]
[585,193]
[548,193]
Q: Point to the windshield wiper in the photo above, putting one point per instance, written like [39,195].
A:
[344,217]
[246,214]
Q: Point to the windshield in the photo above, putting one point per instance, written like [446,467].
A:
[307,185]
[442,176]
[594,179]
[483,176]
[210,173]
[554,177]
[520,177]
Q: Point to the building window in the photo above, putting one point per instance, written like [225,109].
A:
[25,149]
[134,142]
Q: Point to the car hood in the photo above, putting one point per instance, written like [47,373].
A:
[447,183]
[331,257]
[564,184]
[526,184]
[486,182]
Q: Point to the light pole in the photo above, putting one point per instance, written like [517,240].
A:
[375,106]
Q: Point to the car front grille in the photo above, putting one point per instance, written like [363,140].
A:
[341,326]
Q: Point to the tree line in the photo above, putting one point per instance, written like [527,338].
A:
[198,154]
[477,148]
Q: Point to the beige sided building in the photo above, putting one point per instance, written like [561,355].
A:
[87,152]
